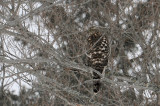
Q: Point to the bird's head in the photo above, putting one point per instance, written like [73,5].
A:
[94,34]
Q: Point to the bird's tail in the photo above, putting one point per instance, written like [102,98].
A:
[96,84]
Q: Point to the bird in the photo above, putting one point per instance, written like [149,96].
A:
[97,54]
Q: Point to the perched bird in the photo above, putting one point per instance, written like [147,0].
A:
[98,54]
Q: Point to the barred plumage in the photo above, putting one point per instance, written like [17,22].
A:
[98,54]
